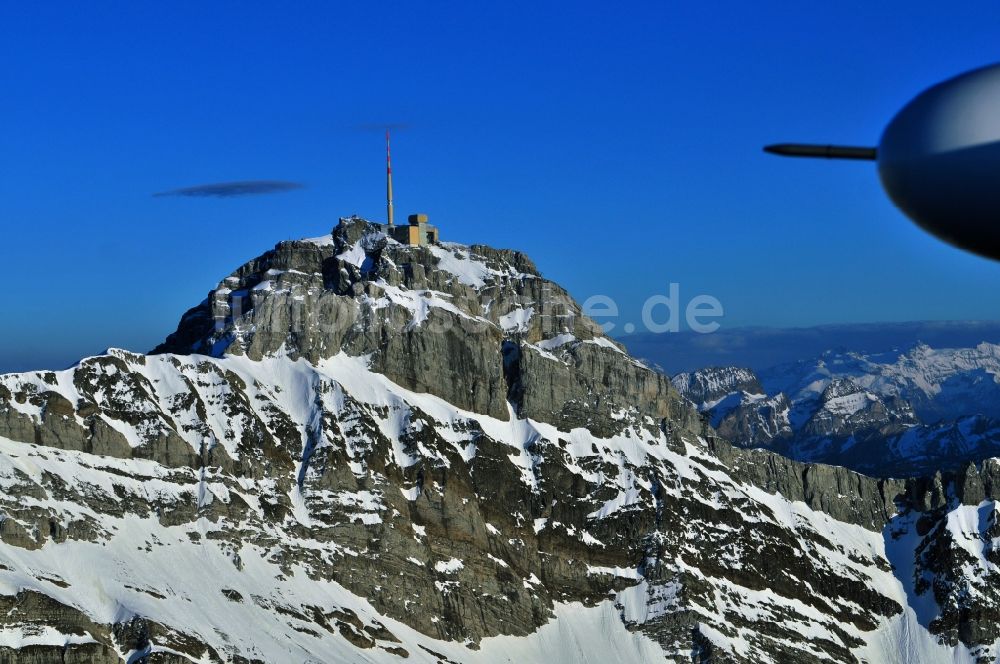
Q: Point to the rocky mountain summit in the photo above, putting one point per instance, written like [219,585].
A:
[358,451]
[884,414]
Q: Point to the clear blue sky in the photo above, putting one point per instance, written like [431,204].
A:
[618,144]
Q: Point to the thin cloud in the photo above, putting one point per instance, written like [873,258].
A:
[229,189]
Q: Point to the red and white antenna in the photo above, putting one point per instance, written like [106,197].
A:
[388,177]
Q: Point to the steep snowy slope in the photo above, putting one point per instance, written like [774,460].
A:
[357,451]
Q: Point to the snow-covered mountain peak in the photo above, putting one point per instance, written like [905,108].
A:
[709,385]
[335,281]
[359,451]
[892,413]
[840,387]
[432,318]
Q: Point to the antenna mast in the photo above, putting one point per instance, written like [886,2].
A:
[388,178]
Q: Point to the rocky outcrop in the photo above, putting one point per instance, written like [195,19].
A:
[707,386]
[845,409]
[439,319]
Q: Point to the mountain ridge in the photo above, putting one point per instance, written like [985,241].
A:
[885,414]
[762,348]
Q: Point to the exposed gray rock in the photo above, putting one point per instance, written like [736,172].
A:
[433,319]
[349,432]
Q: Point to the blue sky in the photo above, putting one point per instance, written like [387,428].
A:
[617,144]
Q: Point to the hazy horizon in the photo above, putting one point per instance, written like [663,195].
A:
[685,349]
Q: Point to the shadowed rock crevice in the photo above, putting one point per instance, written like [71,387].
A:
[511,353]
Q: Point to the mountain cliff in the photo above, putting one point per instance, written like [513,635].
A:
[354,450]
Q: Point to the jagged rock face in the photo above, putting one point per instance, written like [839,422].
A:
[755,417]
[307,490]
[844,408]
[462,323]
[737,406]
[707,386]
[884,422]
[336,477]
[951,528]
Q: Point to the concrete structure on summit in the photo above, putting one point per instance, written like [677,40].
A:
[418,232]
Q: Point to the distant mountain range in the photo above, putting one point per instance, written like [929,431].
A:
[884,414]
[760,348]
